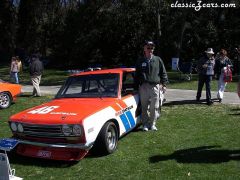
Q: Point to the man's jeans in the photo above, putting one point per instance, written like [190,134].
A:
[14,75]
[207,80]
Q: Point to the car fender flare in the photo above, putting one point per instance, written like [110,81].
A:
[7,92]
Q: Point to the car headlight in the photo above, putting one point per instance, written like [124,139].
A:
[77,130]
[13,126]
[20,128]
[67,130]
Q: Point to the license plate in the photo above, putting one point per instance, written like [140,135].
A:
[44,154]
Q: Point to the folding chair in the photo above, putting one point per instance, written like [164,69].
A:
[185,70]
[6,173]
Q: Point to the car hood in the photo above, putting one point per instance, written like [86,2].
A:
[62,111]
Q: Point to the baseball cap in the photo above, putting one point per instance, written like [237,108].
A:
[149,43]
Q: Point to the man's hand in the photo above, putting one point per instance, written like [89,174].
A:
[163,88]
[205,66]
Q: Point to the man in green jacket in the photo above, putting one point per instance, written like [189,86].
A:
[150,78]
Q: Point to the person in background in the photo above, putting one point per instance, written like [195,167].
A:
[36,71]
[14,70]
[238,88]
[237,57]
[19,64]
[205,68]
[150,77]
[237,61]
[222,63]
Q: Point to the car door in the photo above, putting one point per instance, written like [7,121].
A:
[130,98]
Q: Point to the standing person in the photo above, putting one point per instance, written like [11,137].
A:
[36,70]
[222,63]
[19,64]
[237,57]
[237,61]
[150,77]
[205,68]
[14,69]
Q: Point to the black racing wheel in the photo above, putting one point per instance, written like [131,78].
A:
[107,140]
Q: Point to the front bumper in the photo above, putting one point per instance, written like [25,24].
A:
[59,151]
[64,152]
[58,145]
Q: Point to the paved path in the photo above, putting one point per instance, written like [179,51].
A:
[44,89]
[177,96]
[174,96]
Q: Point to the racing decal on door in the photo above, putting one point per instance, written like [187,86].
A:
[128,120]
[125,116]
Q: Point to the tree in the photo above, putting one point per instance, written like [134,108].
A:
[7,29]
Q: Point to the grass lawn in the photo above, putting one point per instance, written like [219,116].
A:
[194,141]
[50,76]
[57,77]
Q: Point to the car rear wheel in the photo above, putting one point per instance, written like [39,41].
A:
[5,100]
[107,140]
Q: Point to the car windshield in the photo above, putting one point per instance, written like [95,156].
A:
[89,86]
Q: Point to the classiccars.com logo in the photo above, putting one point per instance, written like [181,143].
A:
[197,6]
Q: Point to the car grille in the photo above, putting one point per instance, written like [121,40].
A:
[50,131]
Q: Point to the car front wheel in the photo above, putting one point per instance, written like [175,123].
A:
[5,100]
[107,140]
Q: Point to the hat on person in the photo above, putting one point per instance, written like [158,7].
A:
[149,43]
[209,51]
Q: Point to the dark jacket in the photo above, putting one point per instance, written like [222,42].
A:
[152,71]
[36,67]
[205,60]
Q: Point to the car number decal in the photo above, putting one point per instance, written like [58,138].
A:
[43,110]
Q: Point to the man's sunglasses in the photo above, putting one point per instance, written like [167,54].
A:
[150,48]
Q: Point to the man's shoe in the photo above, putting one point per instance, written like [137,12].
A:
[220,100]
[198,99]
[209,103]
[145,128]
[154,128]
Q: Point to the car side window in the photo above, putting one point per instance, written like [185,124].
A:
[127,83]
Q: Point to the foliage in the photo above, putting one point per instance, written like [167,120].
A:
[80,33]
[7,28]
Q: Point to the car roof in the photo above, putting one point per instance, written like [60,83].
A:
[106,71]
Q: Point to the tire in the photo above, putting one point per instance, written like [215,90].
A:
[5,100]
[107,140]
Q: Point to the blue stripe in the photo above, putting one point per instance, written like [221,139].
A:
[130,118]
[125,121]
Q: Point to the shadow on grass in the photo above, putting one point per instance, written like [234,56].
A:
[26,95]
[236,112]
[203,154]
[182,102]
[171,103]
[14,158]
